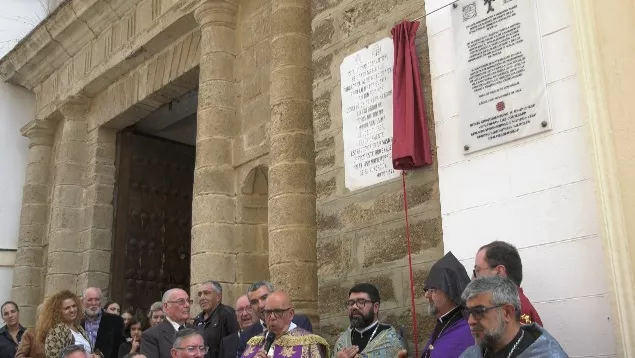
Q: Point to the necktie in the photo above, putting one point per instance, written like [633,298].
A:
[181,327]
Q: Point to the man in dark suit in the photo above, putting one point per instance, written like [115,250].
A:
[105,330]
[157,341]
[257,294]
[246,318]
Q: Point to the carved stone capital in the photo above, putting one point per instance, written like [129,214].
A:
[217,12]
[39,132]
[75,108]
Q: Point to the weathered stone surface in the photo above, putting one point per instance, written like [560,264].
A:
[334,256]
[322,67]
[388,244]
[325,188]
[321,115]
[323,33]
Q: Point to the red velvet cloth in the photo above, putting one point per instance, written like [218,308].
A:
[411,141]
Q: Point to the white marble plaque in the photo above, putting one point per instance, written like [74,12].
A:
[367,85]
[499,69]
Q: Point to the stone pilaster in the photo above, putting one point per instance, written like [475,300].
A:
[213,205]
[96,230]
[27,273]
[64,259]
[292,225]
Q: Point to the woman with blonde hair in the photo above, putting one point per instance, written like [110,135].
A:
[59,325]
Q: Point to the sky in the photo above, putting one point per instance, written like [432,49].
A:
[17,18]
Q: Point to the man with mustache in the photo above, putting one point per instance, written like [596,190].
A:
[366,336]
[105,330]
[443,288]
[493,309]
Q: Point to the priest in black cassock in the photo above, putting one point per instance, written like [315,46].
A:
[443,289]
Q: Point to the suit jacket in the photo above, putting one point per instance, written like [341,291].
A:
[157,341]
[109,334]
[300,320]
[229,346]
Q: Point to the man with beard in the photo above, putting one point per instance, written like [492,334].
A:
[246,318]
[216,320]
[443,288]
[366,336]
[493,311]
[105,330]
[500,258]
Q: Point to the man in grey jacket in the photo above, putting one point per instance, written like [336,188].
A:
[493,313]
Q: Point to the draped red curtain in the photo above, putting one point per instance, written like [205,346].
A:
[411,140]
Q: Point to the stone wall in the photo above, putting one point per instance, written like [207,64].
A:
[361,234]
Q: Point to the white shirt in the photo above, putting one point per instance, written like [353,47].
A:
[79,339]
[174,324]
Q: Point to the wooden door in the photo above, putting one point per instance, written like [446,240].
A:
[153,215]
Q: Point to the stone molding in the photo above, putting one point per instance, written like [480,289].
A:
[39,133]
[595,32]
[217,13]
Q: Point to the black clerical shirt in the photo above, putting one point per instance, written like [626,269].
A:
[361,339]
[528,340]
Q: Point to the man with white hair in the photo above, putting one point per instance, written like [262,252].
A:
[105,330]
[216,321]
[493,313]
[157,341]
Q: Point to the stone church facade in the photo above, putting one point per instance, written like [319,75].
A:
[266,194]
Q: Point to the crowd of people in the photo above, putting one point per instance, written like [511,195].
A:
[487,316]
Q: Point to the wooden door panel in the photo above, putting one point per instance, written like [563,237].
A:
[151,247]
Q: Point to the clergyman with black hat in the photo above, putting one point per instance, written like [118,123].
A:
[443,289]
[366,336]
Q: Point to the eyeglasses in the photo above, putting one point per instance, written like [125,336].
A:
[182,301]
[478,269]
[191,350]
[277,312]
[247,309]
[360,303]
[477,312]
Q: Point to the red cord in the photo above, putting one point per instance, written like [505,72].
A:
[412,282]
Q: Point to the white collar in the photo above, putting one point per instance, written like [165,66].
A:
[292,326]
[440,319]
[367,328]
[174,324]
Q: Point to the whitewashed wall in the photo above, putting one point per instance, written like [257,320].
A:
[536,193]
[17,108]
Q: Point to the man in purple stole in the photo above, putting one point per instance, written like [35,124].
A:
[443,289]
[290,340]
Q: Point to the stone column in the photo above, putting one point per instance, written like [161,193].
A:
[292,226]
[27,272]
[96,231]
[64,258]
[213,204]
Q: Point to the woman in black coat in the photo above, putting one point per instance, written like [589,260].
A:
[11,334]
[132,344]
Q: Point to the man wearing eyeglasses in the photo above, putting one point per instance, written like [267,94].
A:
[365,335]
[443,287]
[188,343]
[246,317]
[216,321]
[290,341]
[157,342]
[493,313]
[500,258]
[257,294]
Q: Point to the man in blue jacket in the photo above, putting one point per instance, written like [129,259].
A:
[257,294]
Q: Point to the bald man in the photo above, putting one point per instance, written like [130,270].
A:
[290,341]
[157,341]
[246,317]
[105,330]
